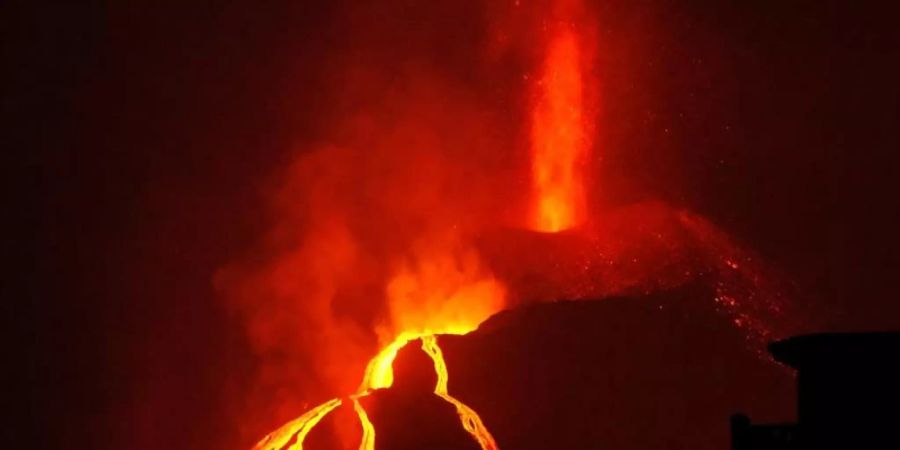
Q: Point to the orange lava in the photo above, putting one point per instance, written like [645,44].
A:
[559,142]
[441,288]
[470,419]
[296,429]
[379,375]
[367,441]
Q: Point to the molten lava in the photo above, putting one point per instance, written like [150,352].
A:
[297,429]
[470,420]
[367,442]
[443,288]
[379,375]
[559,142]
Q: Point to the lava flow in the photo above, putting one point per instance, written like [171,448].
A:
[297,428]
[470,420]
[379,375]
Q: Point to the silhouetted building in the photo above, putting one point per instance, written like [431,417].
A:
[848,395]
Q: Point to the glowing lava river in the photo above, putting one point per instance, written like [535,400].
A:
[379,375]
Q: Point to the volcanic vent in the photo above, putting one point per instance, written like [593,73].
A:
[402,218]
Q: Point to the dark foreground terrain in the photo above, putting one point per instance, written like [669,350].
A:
[655,372]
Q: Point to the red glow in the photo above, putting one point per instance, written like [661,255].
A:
[390,233]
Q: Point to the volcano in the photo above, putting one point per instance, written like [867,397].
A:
[599,211]
[403,228]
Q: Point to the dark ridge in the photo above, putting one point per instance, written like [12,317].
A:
[656,371]
[664,370]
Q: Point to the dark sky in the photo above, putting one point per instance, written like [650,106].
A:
[139,135]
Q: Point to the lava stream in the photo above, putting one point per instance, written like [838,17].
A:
[298,427]
[470,419]
[367,442]
[379,375]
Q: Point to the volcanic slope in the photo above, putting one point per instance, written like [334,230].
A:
[656,371]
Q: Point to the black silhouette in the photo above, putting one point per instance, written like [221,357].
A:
[409,415]
[848,393]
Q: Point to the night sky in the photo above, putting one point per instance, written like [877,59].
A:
[140,136]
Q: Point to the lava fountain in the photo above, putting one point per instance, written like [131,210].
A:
[559,138]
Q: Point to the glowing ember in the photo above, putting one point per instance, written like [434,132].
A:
[559,142]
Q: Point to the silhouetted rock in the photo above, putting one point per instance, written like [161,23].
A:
[659,371]
[409,415]
[412,422]
[406,416]
[848,394]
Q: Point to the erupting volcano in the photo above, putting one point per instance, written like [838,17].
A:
[444,265]
[559,136]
